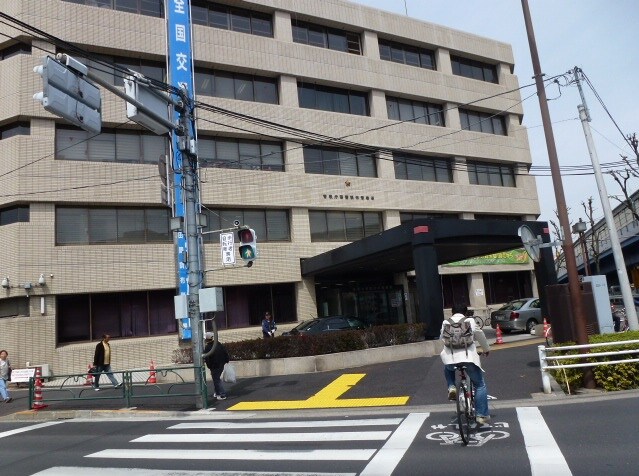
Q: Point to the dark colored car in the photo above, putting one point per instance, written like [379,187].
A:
[326,324]
[518,315]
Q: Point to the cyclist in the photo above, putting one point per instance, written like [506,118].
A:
[469,355]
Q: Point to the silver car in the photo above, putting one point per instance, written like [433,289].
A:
[518,315]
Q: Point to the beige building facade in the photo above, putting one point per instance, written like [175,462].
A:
[320,123]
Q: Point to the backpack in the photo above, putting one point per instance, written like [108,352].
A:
[457,335]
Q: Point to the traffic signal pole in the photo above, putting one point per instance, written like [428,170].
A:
[190,228]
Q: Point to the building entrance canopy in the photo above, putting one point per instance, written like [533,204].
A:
[422,245]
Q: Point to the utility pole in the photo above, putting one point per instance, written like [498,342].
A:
[186,196]
[562,210]
[622,274]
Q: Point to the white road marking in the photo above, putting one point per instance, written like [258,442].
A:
[387,459]
[4,434]
[225,425]
[245,455]
[83,471]
[544,454]
[259,437]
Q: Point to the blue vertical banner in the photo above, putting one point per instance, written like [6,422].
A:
[180,74]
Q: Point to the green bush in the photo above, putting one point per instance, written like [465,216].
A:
[328,343]
[607,377]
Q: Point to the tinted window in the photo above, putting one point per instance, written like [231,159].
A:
[406,54]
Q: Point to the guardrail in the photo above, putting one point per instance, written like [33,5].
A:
[544,358]
[74,387]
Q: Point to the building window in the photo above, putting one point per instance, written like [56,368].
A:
[482,173]
[91,226]
[332,161]
[231,18]
[15,129]
[245,87]
[11,307]
[269,225]
[325,37]
[406,54]
[18,214]
[86,317]
[343,226]
[15,49]
[109,146]
[415,111]
[474,69]
[482,122]
[240,154]
[313,96]
[113,69]
[153,8]
[405,217]
[490,216]
[429,169]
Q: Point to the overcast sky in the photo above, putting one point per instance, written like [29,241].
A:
[599,36]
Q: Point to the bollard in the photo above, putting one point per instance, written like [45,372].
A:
[543,366]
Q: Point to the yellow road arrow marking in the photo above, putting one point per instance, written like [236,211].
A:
[328,397]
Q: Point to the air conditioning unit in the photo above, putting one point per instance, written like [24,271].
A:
[45,370]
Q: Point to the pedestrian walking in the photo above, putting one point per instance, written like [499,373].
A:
[102,363]
[5,376]
[268,326]
[215,362]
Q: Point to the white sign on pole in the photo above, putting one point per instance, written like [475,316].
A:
[227,245]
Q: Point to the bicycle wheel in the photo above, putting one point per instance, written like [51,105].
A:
[463,412]
[479,322]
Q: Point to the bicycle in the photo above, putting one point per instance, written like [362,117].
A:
[479,321]
[466,416]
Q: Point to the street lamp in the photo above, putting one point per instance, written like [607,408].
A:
[580,228]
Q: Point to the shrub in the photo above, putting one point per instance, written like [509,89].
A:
[328,343]
[608,377]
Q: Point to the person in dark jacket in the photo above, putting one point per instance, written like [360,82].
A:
[102,363]
[215,362]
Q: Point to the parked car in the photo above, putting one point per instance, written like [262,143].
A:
[518,315]
[326,324]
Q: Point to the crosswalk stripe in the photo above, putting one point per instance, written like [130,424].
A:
[260,437]
[4,434]
[543,452]
[387,459]
[229,454]
[226,425]
[83,471]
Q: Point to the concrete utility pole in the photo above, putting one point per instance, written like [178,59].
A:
[186,198]
[622,273]
[562,210]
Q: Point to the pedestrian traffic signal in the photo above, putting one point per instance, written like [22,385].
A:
[248,244]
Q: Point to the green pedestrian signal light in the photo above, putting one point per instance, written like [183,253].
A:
[248,244]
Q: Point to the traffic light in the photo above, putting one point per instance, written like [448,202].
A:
[67,94]
[248,244]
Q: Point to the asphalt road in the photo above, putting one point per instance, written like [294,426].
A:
[512,373]
[587,437]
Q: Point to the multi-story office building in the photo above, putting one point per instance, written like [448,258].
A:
[331,122]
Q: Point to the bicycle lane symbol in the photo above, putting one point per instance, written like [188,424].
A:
[450,436]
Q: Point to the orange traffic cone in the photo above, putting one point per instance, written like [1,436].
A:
[152,378]
[546,327]
[37,400]
[499,340]
[89,379]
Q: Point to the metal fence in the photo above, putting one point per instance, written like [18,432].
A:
[136,385]
[544,358]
